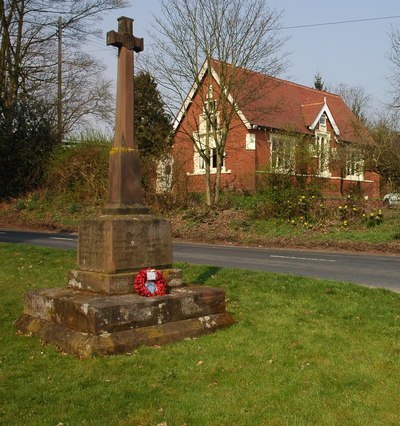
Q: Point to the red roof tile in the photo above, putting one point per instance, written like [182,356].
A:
[281,104]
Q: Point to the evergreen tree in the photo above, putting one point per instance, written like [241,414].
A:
[26,142]
[152,124]
[318,83]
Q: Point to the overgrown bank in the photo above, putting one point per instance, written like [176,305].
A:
[233,224]
[75,186]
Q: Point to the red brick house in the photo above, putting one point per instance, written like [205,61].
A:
[263,132]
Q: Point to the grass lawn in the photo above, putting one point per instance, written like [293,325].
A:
[303,351]
[387,232]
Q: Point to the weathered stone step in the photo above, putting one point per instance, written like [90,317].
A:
[96,314]
[86,344]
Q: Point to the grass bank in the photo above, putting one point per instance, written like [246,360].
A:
[241,220]
[302,352]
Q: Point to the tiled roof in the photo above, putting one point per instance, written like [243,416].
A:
[281,104]
[310,111]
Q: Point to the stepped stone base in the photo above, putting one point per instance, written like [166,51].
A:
[99,314]
[89,324]
[121,283]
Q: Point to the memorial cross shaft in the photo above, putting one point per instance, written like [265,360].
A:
[124,188]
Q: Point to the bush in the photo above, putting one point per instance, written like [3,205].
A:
[79,168]
[284,199]
[26,143]
[373,218]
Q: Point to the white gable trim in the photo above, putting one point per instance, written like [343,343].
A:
[325,109]
[231,100]
[189,97]
[193,91]
[240,114]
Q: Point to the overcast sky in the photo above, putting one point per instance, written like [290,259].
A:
[349,53]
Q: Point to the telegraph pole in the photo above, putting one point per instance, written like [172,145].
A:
[59,83]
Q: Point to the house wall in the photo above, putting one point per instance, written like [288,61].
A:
[242,164]
[239,161]
[367,187]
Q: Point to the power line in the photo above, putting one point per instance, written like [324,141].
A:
[321,24]
[96,42]
[351,21]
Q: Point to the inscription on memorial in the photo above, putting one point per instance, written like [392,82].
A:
[125,243]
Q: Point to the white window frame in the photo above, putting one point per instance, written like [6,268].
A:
[322,122]
[322,153]
[282,160]
[200,139]
[354,165]
[198,160]
[250,141]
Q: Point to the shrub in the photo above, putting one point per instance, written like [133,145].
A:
[26,142]
[20,205]
[284,198]
[373,218]
[80,168]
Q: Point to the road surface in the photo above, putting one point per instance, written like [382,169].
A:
[365,269]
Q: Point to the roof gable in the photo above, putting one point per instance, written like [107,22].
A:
[190,96]
[284,105]
[193,91]
[325,110]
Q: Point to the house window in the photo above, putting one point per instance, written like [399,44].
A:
[209,119]
[354,165]
[322,121]
[282,154]
[208,132]
[200,164]
[322,154]
[213,160]
[250,141]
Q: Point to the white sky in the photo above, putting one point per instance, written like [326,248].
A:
[352,53]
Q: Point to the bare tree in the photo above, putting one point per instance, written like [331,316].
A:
[194,38]
[86,94]
[384,153]
[394,57]
[28,51]
[356,98]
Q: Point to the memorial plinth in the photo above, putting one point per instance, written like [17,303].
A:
[99,313]
[88,324]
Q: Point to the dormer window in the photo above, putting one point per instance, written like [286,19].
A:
[322,121]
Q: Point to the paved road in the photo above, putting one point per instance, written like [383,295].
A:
[370,270]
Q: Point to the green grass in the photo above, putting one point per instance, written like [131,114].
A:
[47,209]
[387,232]
[303,351]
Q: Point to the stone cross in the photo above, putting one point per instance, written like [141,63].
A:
[124,188]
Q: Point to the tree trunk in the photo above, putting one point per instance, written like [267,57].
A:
[209,198]
[14,70]
[218,179]
[5,58]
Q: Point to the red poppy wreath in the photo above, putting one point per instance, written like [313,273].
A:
[149,283]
